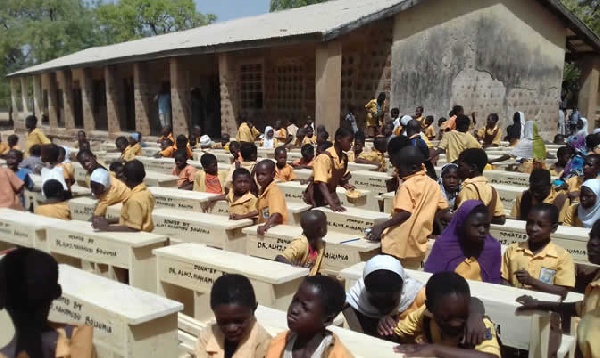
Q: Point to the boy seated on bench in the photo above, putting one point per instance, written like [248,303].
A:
[55,205]
[28,285]
[184,172]
[271,206]
[242,203]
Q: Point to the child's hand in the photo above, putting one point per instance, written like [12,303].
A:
[386,326]
[262,229]
[475,330]
[524,277]
[375,234]
[349,186]
[416,350]
[235,216]
[527,302]
[99,223]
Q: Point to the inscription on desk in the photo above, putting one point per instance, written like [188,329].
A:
[370,182]
[17,235]
[176,203]
[82,211]
[90,248]
[173,226]
[194,276]
[513,181]
[350,225]
[507,237]
[267,247]
[294,195]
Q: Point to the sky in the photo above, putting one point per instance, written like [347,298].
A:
[231,9]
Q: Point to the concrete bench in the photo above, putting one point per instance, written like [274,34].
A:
[82,208]
[106,253]
[157,179]
[352,166]
[173,198]
[294,193]
[34,198]
[375,182]
[508,194]
[353,221]
[342,250]
[127,322]
[23,228]
[186,273]
[209,229]
[303,174]
[223,156]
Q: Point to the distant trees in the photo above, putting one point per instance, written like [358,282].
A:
[288,4]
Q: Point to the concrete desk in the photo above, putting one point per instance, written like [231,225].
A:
[163,165]
[23,228]
[504,177]
[295,211]
[353,221]
[106,252]
[157,179]
[193,267]
[375,182]
[173,198]
[303,174]
[209,229]
[127,322]
[294,192]
[508,194]
[352,166]
[82,208]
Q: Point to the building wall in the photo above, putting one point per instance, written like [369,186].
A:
[487,55]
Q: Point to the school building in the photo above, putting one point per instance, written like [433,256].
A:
[320,60]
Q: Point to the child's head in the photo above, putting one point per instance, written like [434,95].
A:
[492,120]
[180,159]
[13,159]
[588,196]
[580,124]
[428,120]
[233,302]
[381,98]
[35,150]
[100,181]
[196,131]
[87,160]
[441,121]
[234,148]
[559,139]
[310,132]
[591,166]
[314,224]
[50,153]
[450,180]
[13,140]
[118,168]
[475,227]
[134,138]
[31,122]
[542,222]
[419,111]
[448,298]
[62,154]
[53,189]
[281,157]
[408,160]
[413,127]
[563,154]
[395,112]
[593,244]
[278,124]
[121,143]
[462,123]
[225,138]
[317,302]
[396,144]
[540,184]
[249,152]
[384,279]
[181,141]
[471,163]
[380,144]
[209,163]
[322,137]
[458,110]
[344,138]
[308,152]
[166,131]
[301,134]
[321,148]
[81,136]
[388,129]
[321,128]
[166,143]
[269,132]
[265,172]
[241,179]
[134,173]
[359,142]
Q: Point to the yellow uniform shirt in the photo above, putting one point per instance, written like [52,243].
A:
[588,332]
[312,140]
[469,269]
[323,165]
[36,137]
[375,157]
[516,209]
[169,152]
[553,265]
[371,107]
[55,210]
[200,181]
[4,148]
[285,174]
[574,184]
[572,216]
[422,198]
[281,136]
[455,142]
[246,134]
[591,298]
[130,152]
[481,133]
[136,212]
[271,201]
[118,192]
[211,343]
[229,175]
[413,328]
[478,188]
[243,205]
[298,253]
[429,132]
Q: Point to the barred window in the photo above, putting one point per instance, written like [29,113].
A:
[251,82]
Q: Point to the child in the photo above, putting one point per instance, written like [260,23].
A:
[540,191]
[322,137]
[538,263]
[271,206]
[351,119]
[166,133]
[249,154]
[242,203]
[563,155]
[116,170]
[308,155]
[308,249]
[55,205]
[442,126]
[10,190]
[195,135]
[207,180]
[281,134]
[429,131]
[310,136]
[322,148]
[33,162]
[234,149]
[236,332]
[491,134]
[108,191]
[395,114]
[134,148]
[13,159]
[246,132]
[283,171]
[4,148]
[29,281]
[591,170]
[181,144]
[358,146]
[437,329]
[52,170]
[136,213]
[387,130]
[81,137]
[377,155]
[300,135]
[317,302]
[223,143]
[121,143]
[13,141]
[417,202]
[269,140]
[34,136]
[456,141]
[475,186]
[185,172]
[449,183]
[68,169]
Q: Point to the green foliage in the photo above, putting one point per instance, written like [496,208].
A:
[587,10]
[288,4]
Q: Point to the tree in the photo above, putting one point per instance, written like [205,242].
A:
[277,5]
[588,12]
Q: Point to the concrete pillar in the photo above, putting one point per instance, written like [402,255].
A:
[589,93]
[328,85]
[230,104]
[87,99]
[66,79]
[50,79]
[114,99]
[38,100]
[25,96]
[13,100]
[180,96]
[142,98]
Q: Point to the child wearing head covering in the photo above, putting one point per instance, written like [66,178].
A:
[268,141]
[107,190]
[587,211]
[449,183]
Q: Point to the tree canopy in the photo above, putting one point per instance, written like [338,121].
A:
[288,4]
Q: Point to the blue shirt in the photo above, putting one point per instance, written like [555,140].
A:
[23,174]
[164,103]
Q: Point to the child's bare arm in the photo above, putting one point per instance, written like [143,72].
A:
[397,219]
[250,215]
[274,219]
[188,185]
[281,258]
[526,279]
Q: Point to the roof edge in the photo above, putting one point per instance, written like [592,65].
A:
[589,36]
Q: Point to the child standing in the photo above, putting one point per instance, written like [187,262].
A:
[34,135]
[185,172]
[283,171]
[271,206]
[207,180]
[242,203]
[246,132]
[456,141]
[308,249]
[429,131]
[308,155]
[10,190]
[13,159]
[55,205]
[314,306]
[417,202]
[376,156]
[236,332]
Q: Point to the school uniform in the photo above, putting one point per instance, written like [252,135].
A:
[324,166]
[36,137]
[54,210]
[136,212]
[117,192]
[553,265]
[478,188]
[246,134]
[271,201]
[312,140]
[243,205]
[246,165]
[455,142]
[550,199]
[429,132]
[281,133]
[208,183]
[588,332]
[131,151]
[336,348]
[211,343]
[169,152]
[9,189]
[494,135]
[285,174]
[301,254]
[4,148]
[304,163]
[170,137]
[420,327]
[64,341]
[422,197]
[375,156]
[185,175]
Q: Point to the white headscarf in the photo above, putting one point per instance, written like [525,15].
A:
[524,149]
[269,142]
[357,296]
[404,121]
[523,123]
[583,131]
[589,216]
[101,176]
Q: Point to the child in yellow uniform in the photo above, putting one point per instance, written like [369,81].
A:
[429,131]
[540,191]
[491,134]
[310,137]
[308,249]
[242,203]
[357,147]
[13,141]
[185,172]
[4,148]
[456,141]
[34,135]
[122,144]
[134,146]
[246,132]
[271,206]
[308,155]
[55,205]
[283,170]
[236,331]
[591,170]
[437,329]
[281,134]
[166,133]
[539,264]
[181,144]
[136,213]
[208,180]
[376,156]
[249,155]
[314,306]
[108,190]
[417,202]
